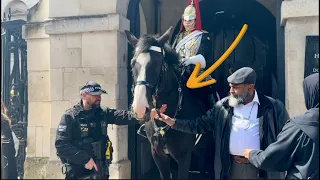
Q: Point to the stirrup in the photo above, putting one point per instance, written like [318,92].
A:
[141,131]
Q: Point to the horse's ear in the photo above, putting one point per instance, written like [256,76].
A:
[131,38]
[163,39]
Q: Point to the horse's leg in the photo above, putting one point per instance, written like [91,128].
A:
[163,163]
[183,160]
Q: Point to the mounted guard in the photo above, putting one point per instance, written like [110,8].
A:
[193,44]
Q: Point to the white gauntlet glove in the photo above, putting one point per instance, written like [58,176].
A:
[193,60]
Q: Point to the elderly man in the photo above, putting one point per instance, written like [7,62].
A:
[297,147]
[245,119]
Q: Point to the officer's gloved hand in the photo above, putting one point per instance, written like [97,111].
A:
[194,60]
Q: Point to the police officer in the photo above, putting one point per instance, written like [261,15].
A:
[81,141]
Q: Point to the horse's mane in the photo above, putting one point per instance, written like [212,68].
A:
[146,41]
[171,56]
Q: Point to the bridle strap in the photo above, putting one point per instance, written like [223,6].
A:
[144,83]
[155,48]
[178,108]
[151,48]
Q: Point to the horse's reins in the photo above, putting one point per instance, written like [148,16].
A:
[155,90]
[162,130]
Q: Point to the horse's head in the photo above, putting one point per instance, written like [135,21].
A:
[148,66]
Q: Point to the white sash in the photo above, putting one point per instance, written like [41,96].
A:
[187,38]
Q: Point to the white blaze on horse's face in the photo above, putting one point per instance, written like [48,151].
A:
[140,101]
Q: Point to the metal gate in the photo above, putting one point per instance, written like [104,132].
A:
[14,81]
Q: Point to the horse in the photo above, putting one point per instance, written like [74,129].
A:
[157,82]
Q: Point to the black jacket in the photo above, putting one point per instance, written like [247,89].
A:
[94,122]
[272,116]
[297,147]
[8,159]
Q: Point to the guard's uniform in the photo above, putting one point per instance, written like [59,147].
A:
[82,134]
[195,46]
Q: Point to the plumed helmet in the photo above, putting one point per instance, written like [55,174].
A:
[192,11]
[189,12]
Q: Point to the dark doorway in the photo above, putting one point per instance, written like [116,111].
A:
[257,49]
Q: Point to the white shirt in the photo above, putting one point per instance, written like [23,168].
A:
[245,127]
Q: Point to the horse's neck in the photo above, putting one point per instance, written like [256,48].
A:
[188,103]
[170,92]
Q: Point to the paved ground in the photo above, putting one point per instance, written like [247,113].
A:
[192,175]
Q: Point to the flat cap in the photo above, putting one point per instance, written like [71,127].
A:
[93,88]
[245,75]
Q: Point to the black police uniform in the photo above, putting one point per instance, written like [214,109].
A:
[82,134]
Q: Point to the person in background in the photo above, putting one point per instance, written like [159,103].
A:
[297,147]
[8,161]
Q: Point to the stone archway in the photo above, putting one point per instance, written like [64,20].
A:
[16,9]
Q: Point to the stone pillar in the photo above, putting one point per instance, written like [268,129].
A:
[300,18]
[39,143]
[82,41]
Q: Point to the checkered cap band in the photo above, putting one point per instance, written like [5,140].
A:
[92,88]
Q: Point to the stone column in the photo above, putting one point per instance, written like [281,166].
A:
[84,40]
[300,18]
[39,121]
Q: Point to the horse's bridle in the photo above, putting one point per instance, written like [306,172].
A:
[155,90]
[164,67]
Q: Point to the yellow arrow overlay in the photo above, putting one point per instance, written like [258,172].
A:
[195,82]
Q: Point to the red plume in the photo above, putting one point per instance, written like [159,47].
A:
[198,25]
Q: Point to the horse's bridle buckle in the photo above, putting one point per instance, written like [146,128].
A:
[162,132]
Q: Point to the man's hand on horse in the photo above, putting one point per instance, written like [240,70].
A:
[161,110]
[164,118]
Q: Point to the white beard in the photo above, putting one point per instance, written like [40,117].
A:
[233,102]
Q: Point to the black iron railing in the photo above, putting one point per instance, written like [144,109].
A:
[14,82]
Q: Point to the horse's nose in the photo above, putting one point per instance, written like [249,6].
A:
[139,111]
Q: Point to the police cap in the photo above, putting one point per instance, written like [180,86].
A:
[93,88]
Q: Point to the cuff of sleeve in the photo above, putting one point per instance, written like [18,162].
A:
[252,155]
[176,124]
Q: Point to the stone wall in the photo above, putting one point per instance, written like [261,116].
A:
[300,18]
